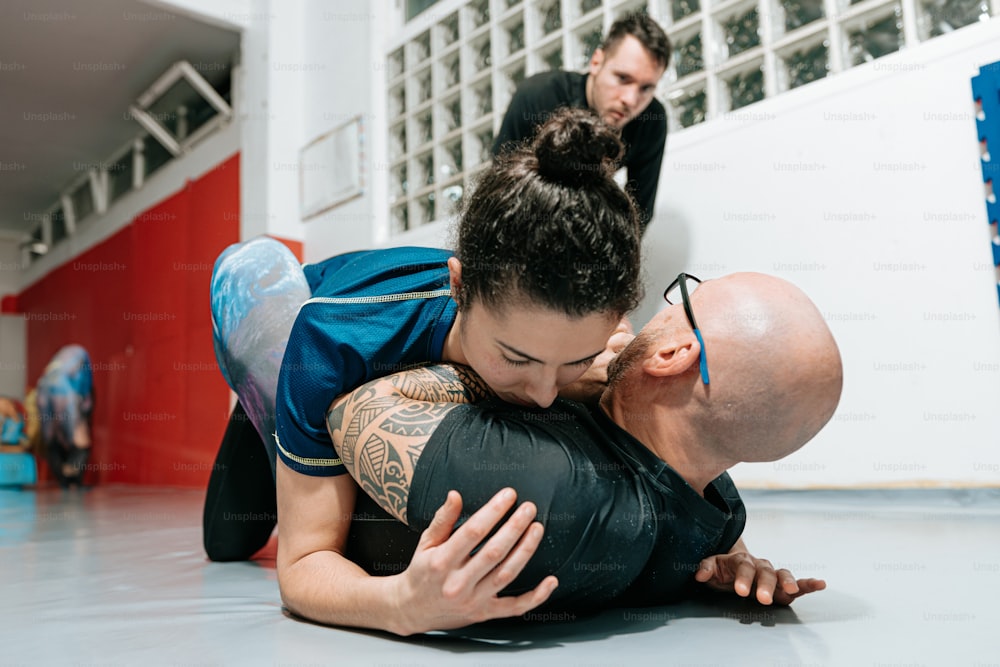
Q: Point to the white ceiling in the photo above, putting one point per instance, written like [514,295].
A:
[68,72]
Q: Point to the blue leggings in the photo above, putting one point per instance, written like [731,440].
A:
[257,288]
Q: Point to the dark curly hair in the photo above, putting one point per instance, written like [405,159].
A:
[547,224]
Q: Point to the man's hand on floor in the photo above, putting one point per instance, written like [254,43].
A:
[743,574]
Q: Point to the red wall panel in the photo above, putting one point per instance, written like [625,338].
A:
[139,303]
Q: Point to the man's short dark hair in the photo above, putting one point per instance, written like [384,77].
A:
[644,29]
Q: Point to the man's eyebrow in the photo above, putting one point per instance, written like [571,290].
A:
[629,75]
[514,350]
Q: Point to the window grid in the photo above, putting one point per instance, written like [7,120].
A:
[453,70]
[185,110]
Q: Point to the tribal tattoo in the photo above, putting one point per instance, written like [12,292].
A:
[443,383]
[380,429]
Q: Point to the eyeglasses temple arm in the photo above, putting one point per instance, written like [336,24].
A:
[702,360]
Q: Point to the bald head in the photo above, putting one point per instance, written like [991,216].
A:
[775,369]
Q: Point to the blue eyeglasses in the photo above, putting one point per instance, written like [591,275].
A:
[670,296]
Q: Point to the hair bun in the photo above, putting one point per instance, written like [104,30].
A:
[575,147]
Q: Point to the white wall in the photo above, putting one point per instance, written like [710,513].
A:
[345,78]
[10,264]
[13,370]
[309,67]
[325,67]
[270,90]
[866,191]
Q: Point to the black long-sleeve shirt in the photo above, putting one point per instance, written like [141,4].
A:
[644,136]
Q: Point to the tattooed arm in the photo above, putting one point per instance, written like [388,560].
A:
[444,586]
[380,429]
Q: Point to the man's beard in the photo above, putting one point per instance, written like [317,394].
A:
[630,355]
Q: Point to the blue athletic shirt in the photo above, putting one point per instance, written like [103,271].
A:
[372,313]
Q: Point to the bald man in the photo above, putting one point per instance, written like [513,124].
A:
[633,496]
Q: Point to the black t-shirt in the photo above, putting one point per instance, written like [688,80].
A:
[644,136]
[620,524]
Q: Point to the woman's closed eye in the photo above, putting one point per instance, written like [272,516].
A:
[524,362]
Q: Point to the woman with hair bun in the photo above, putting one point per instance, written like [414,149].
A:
[545,266]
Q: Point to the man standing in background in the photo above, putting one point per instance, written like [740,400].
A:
[619,87]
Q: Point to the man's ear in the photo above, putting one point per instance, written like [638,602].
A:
[455,277]
[673,357]
[596,60]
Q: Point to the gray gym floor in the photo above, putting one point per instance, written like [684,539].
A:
[116,576]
